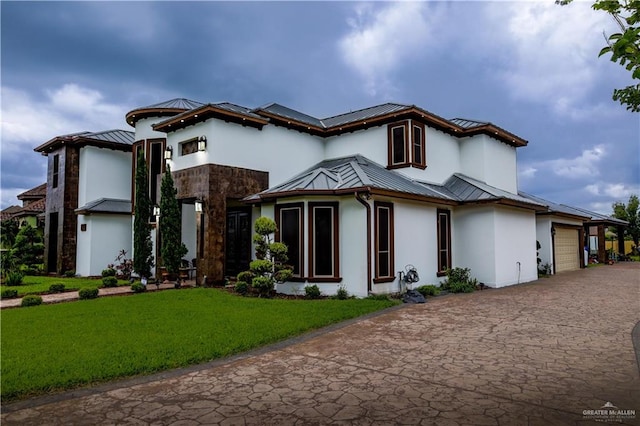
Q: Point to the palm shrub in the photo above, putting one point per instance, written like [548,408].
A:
[269,266]
[14,278]
[172,248]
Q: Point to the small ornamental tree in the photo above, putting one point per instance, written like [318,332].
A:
[142,246]
[171,247]
[28,249]
[269,267]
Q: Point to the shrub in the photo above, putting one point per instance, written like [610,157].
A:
[264,286]
[110,281]
[109,272]
[88,293]
[69,274]
[31,300]
[56,288]
[544,269]
[342,293]
[459,287]
[312,292]
[428,290]
[241,287]
[14,278]
[9,293]
[138,288]
[459,281]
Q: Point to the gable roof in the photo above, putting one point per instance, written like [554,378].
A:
[9,212]
[357,173]
[38,192]
[161,109]
[287,117]
[106,205]
[117,139]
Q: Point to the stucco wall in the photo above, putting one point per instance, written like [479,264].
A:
[515,246]
[99,245]
[474,241]
[104,173]
[144,130]
[280,151]
[490,161]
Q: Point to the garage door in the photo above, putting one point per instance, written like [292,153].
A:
[566,249]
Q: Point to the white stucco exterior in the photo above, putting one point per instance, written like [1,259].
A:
[103,173]
[144,129]
[281,152]
[105,236]
[490,161]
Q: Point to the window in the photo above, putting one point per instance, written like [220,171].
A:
[289,223]
[419,153]
[323,242]
[384,242]
[56,170]
[398,144]
[189,146]
[444,241]
[156,168]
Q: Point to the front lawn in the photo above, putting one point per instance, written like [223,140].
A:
[62,346]
[40,284]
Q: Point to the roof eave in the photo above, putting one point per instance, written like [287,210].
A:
[204,113]
[132,117]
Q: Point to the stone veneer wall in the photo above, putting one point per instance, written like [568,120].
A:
[64,200]
[215,185]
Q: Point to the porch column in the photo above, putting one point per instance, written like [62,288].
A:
[621,240]
[602,250]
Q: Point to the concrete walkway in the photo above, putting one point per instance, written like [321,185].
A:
[535,354]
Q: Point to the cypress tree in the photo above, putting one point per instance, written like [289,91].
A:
[171,247]
[142,246]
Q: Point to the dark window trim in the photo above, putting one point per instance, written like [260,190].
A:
[188,142]
[447,213]
[423,161]
[390,164]
[278,211]
[377,205]
[336,243]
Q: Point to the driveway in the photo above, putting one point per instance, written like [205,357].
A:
[536,354]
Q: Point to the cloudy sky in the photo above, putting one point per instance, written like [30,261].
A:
[529,67]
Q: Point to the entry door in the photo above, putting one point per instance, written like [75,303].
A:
[52,258]
[238,241]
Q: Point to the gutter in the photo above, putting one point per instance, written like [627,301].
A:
[368,208]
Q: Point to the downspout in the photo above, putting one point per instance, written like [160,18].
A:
[368,208]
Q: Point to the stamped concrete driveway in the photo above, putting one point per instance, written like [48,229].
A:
[535,354]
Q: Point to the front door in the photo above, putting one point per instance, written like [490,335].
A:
[238,241]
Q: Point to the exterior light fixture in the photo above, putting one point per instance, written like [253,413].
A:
[198,206]
[553,231]
[202,143]
[156,211]
[168,152]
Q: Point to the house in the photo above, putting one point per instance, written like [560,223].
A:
[31,212]
[359,198]
[88,207]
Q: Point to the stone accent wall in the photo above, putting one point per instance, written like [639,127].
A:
[216,185]
[64,200]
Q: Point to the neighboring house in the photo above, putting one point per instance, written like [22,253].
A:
[88,210]
[32,210]
[359,197]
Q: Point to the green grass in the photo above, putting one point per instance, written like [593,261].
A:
[40,284]
[54,347]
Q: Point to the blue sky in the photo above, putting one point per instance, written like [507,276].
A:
[529,67]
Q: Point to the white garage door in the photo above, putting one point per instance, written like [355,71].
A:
[566,249]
